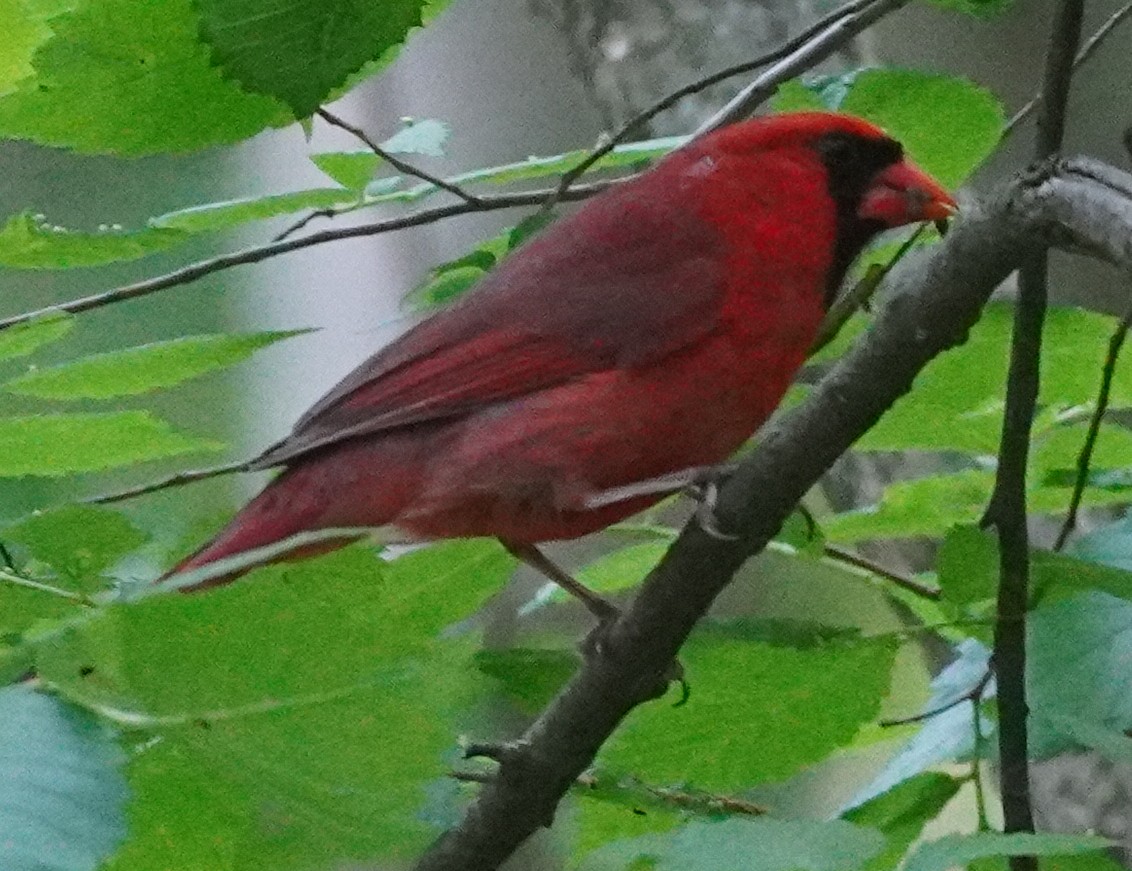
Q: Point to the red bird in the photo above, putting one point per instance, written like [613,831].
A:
[652,331]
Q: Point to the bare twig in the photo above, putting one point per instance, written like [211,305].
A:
[1007,508]
[189,476]
[195,271]
[634,124]
[977,754]
[1095,41]
[973,695]
[808,55]
[396,162]
[913,586]
[1084,459]
[305,220]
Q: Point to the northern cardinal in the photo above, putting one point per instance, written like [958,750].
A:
[652,331]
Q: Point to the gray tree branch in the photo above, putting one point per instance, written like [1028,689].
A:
[931,301]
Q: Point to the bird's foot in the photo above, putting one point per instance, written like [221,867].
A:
[705,490]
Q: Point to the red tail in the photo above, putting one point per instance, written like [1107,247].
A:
[286,507]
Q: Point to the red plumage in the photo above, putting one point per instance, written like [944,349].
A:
[651,331]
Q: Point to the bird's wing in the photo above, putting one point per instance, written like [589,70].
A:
[577,300]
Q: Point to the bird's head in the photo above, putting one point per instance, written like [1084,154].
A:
[873,185]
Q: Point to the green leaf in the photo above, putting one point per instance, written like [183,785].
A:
[450,280]
[614,572]
[426,136]
[283,699]
[967,564]
[761,707]
[923,506]
[630,155]
[21,608]
[902,812]
[929,506]
[143,368]
[213,217]
[530,676]
[1084,862]
[29,243]
[623,569]
[444,287]
[815,93]
[25,29]
[948,125]
[61,444]
[1108,742]
[605,815]
[958,850]
[299,53]
[956,403]
[1059,447]
[62,793]
[78,541]
[1078,662]
[1109,545]
[436,586]
[351,169]
[130,77]
[763,843]
[969,569]
[21,339]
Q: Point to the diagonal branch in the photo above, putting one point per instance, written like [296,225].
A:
[1100,35]
[934,297]
[806,57]
[787,49]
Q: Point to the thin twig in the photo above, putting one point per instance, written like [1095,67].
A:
[20,581]
[1095,41]
[633,124]
[306,219]
[840,554]
[195,271]
[633,789]
[808,55]
[1084,459]
[983,821]
[845,306]
[396,162]
[973,695]
[189,476]
[1007,508]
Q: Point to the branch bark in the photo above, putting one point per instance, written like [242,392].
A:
[932,300]
[1007,509]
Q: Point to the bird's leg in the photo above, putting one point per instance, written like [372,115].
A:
[604,610]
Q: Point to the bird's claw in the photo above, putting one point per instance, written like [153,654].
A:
[705,512]
[705,490]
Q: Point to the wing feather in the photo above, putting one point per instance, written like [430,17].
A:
[583,297]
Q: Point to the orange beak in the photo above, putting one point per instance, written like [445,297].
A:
[905,194]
